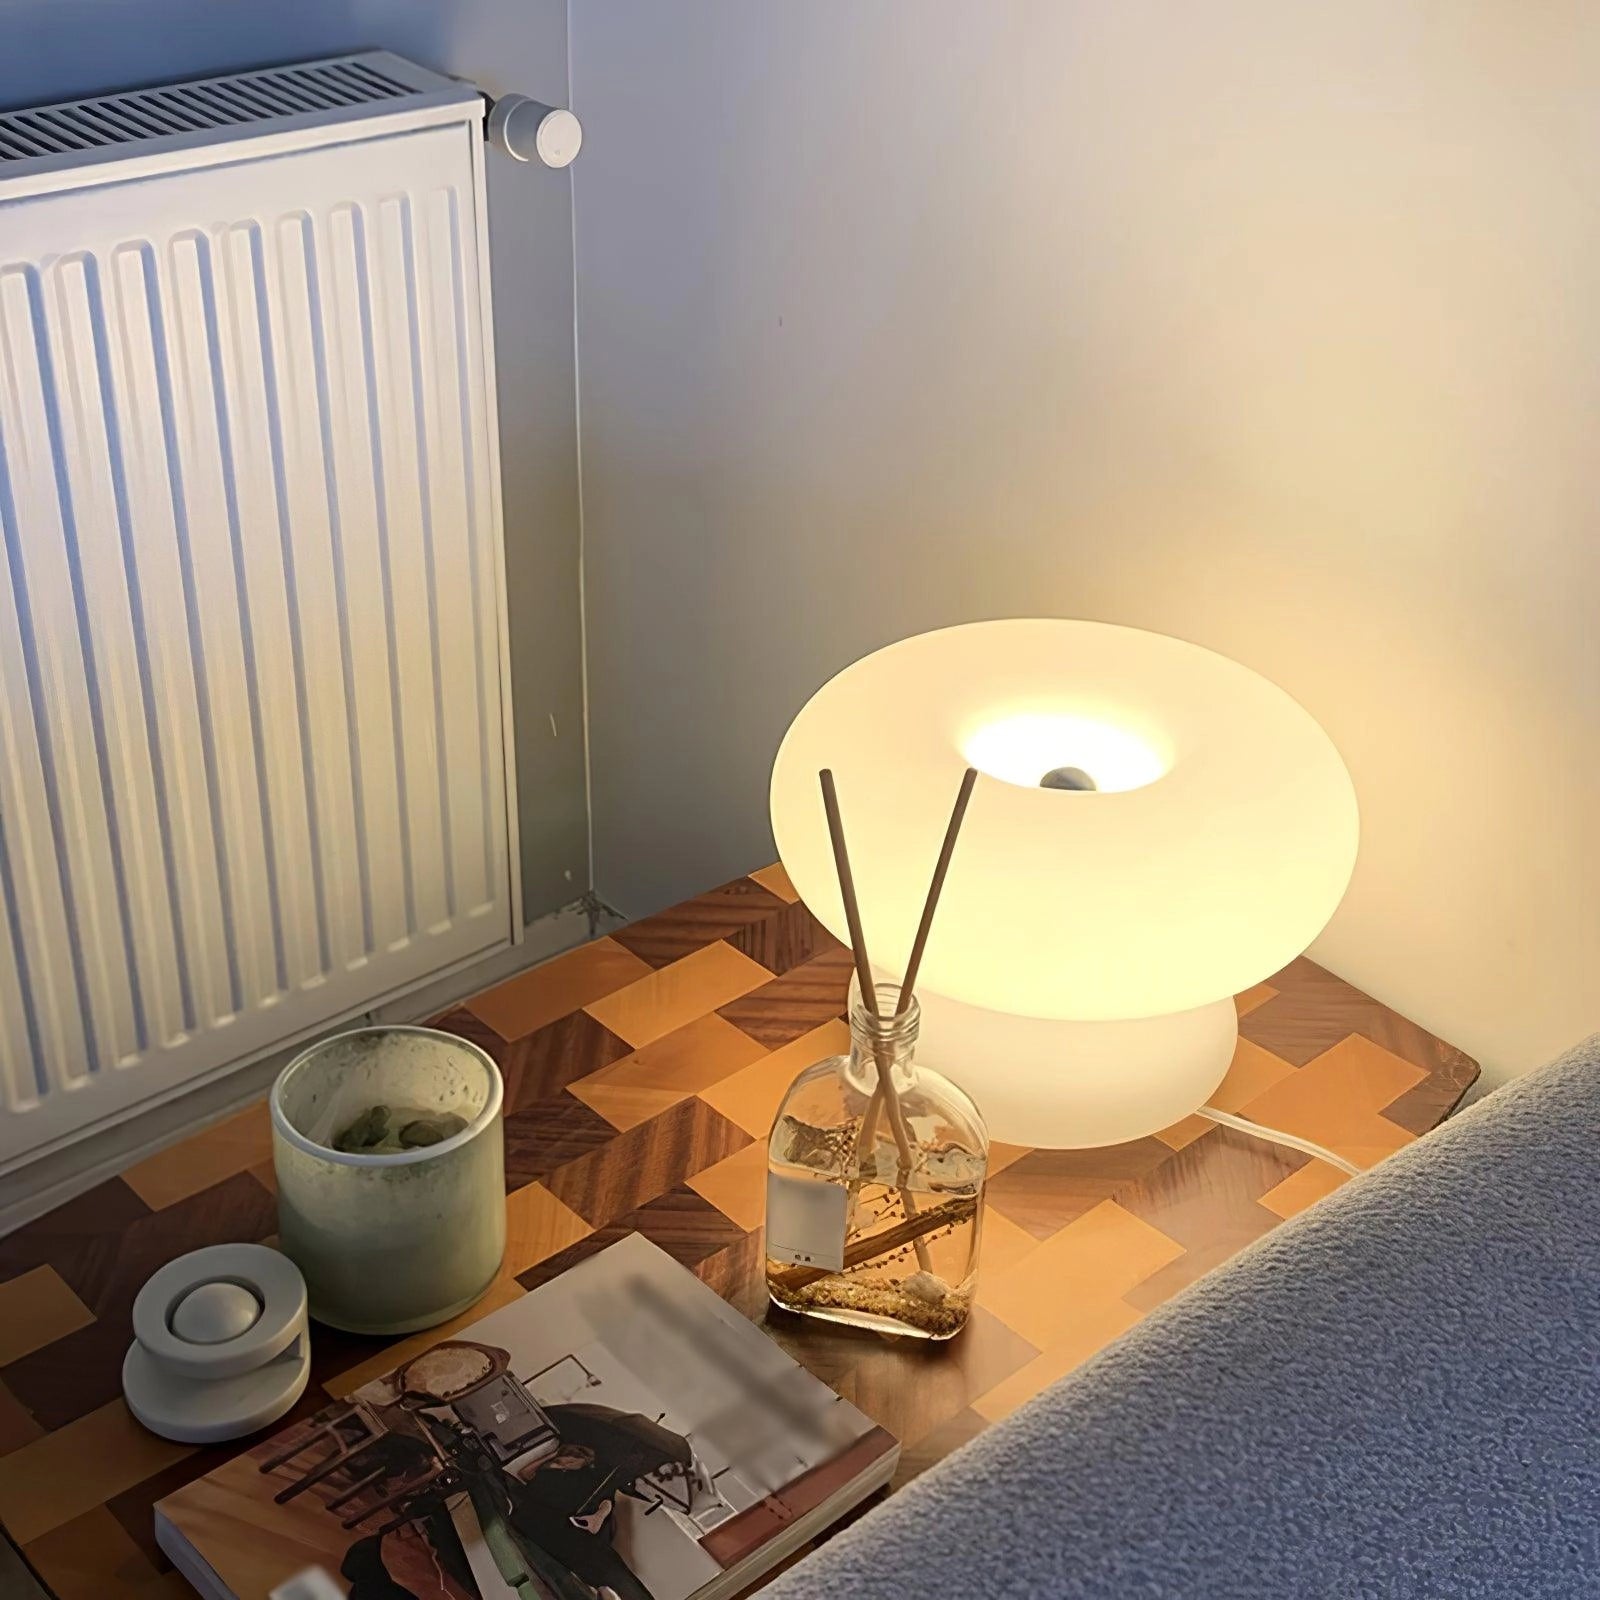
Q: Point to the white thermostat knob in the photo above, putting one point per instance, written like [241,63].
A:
[527,130]
[220,1344]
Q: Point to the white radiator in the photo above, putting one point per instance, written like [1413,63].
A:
[254,720]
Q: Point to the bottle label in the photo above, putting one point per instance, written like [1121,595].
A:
[806,1222]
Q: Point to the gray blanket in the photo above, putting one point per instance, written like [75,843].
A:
[1395,1394]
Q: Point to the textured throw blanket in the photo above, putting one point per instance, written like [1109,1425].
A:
[1395,1394]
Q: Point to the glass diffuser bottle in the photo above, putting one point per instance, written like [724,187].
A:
[874,1201]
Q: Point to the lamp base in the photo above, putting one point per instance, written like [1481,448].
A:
[1063,1085]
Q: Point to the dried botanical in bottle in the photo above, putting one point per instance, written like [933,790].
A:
[865,1226]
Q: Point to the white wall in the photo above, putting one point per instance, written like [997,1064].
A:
[54,49]
[1272,326]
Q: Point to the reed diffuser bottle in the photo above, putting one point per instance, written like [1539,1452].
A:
[874,1197]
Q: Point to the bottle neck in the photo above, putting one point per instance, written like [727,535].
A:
[886,1041]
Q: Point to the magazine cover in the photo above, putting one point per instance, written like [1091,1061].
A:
[618,1434]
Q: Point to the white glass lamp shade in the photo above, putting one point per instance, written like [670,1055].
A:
[1216,842]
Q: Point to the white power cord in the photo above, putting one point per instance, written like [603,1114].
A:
[1276,1136]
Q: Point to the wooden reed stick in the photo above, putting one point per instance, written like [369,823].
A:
[869,1123]
[869,998]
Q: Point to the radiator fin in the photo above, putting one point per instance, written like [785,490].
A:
[264,97]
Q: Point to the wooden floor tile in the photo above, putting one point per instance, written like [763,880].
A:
[1002,1156]
[61,1382]
[1187,1269]
[1311,1012]
[1426,1104]
[947,1376]
[653,1006]
[1046,1189]
[1253,1071]
[538,1225]
[235,1144]
[689,1229]
[1184,1132]
[549,1134]
[553,1057]
[542,1063]
[828,1352]
[1086,1328]
[91,1558]
[775,879]
[1314,1010]
[737,1185]
[932,1448]
[784,941]
[682,929]
[108,1270]
[1248,999]
[634,1167]
[1097,1258]
[802,999]
[1337,1099]
[17,1426]
[751,1096]
[1314,1181]
[107,1208]
[36,1309]
[167,1586]
[545,993]
[647,1082]
[1210,1190]
[134,1507]
[1004,1245]
[77,1468]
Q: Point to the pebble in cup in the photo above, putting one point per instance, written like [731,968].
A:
[395,1239]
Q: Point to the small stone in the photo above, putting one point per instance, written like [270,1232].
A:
[367,1130]
[927,1286]
[431,1130]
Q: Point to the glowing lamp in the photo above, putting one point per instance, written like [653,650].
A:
[1155,828]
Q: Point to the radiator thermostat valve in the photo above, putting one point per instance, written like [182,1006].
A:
[220,1344]
[526,130]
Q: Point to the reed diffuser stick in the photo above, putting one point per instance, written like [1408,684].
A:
[869,1123]
[869,998]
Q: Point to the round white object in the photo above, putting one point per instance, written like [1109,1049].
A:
[527,130]
[220,1344]
[208,1413]
[215,1312]
[559,139]
[1062,1085]
[1219,839]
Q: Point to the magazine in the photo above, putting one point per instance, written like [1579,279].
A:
[618,1434]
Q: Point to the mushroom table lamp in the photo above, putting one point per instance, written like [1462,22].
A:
[1154,829]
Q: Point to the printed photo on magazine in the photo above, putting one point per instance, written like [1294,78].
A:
[618,1434]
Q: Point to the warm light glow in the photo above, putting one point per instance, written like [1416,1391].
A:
[1021,749]
[1079,978]
[1147,899]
